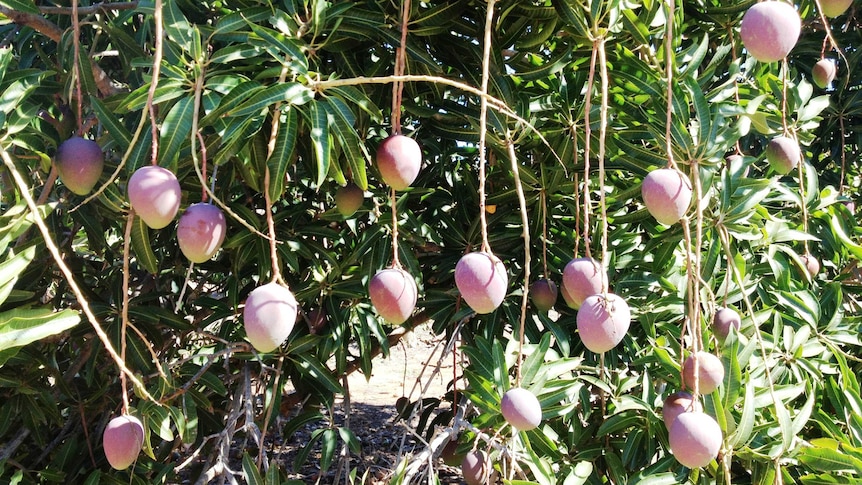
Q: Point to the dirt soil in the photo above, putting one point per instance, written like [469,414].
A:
[414,369]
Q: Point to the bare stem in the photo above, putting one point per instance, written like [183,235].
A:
[522,203]
[483,121]
[843,155]
[603,128]
[544,201]
[76,68]
[124,313]
[203,162]
[154,81]
[698,244]
[393,201]
[669,57]
[803,206]
[270,224]
[67,273]
[400,65]
[588,133]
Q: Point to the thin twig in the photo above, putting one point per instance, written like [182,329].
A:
[588,133]
[603,130]
[396,260]
[270,224]
[400,66]
[154,80]
[124,312]
[76,67]
[483,122]
[668,53]
[522,203]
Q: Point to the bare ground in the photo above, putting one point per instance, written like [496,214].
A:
[413,370]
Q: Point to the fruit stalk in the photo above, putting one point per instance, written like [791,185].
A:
[522,203]
[400,64]
[588,134]
[154,79]
[396,260]
[270,224]
[76,66]
[668,59]
[124,312]
[483,121]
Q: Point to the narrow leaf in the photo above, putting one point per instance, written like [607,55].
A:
[828,460]
[341,118]
[249,469]
[293,93]
[108,120]
[175,130]
[177,27]
[11,268]
[745,426]
[282,153]
[22,326]
[142,248]
[320,140]
[320,373]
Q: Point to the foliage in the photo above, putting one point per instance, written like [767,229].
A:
[290,97]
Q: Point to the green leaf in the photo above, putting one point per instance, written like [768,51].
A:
[350,439]
[309,365]
[745,426]
[341,118]
[359,98]
[250,471]
[232,22]
[233,53]
[785,425]
[328,445]
[837,229]
[167,90]
[282,153]
[18,91]
[549,67]
[175,130]
[177,27]
[321,141]
[702,113]
[21,326]
[292,93]
[6,55]
[142,248]
[106,117]
[272,39]
[533,363]
[11,268]
[829,460]
[666,478]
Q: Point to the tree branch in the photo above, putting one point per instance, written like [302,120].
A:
[49,29]
[36,22]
